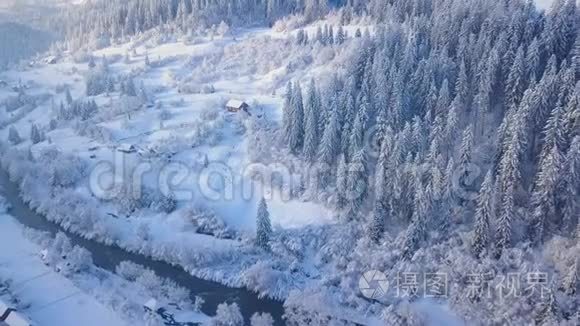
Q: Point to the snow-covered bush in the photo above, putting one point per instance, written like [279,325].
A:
[262,278]
[228,315]
[206,222]
[80,259]
[129,270]
[263,319]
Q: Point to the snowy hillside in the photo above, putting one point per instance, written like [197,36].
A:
[364,162]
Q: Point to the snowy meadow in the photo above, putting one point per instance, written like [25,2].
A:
[361,162]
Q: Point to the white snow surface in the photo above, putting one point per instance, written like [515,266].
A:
[53,299]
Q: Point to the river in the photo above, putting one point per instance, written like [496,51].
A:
[108,257]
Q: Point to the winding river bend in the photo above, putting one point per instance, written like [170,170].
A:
[108,257]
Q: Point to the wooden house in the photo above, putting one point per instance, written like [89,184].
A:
[236,106]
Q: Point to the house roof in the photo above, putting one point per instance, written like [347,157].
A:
[3,307]
[235,104]
[16,319]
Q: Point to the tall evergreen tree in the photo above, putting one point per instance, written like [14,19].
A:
[287,113]
[330,143]
[570,282]
[35,136]
[544,195]
[341,182]
[568,193]
[516,82]
[263,226]
[357,183]
[296,137]
[483,215]
[312,109]
[377,223]
[13,136]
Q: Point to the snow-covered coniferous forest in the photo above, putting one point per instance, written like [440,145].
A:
[291,162]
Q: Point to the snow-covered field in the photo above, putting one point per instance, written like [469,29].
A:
[197,125]
[49,297]
[185,140]
[52,290]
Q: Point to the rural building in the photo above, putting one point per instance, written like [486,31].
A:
[236,106]
[50,60]
[9,317]
[126,148]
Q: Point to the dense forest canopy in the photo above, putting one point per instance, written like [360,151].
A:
[446,84]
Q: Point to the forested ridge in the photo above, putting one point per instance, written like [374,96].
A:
[443,135]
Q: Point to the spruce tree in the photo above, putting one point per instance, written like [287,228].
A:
[570,282]
[483,215]
[287,109]
[13,136]
[263,226]
[311,136]
[341,182]
[509,179]
[296,139]
[569,192]
[377,223]
[68,96]
[92,63]
[515,82]
[544,195]
[35,136]
[330,143]
[356,187]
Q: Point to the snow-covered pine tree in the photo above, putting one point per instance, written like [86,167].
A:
[311,133]
[263,226]
[466,149]
[377,223]
[462,90]
[130,87]
[483,215]
[451,127]
[53,124]
[357,183]
[358,131]
[13,136]
[416,231]
[341,182]
[570,281]
[544,194]
[509,180]
[340,37]
[569,192]
[287,113]
[92,63]
[296,137]
[515,83]
[35,136]
[330,144]
[349,116]
[68,96]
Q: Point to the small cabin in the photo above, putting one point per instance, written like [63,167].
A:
[127,149]
[10,317]
[50,60]
[236,106]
